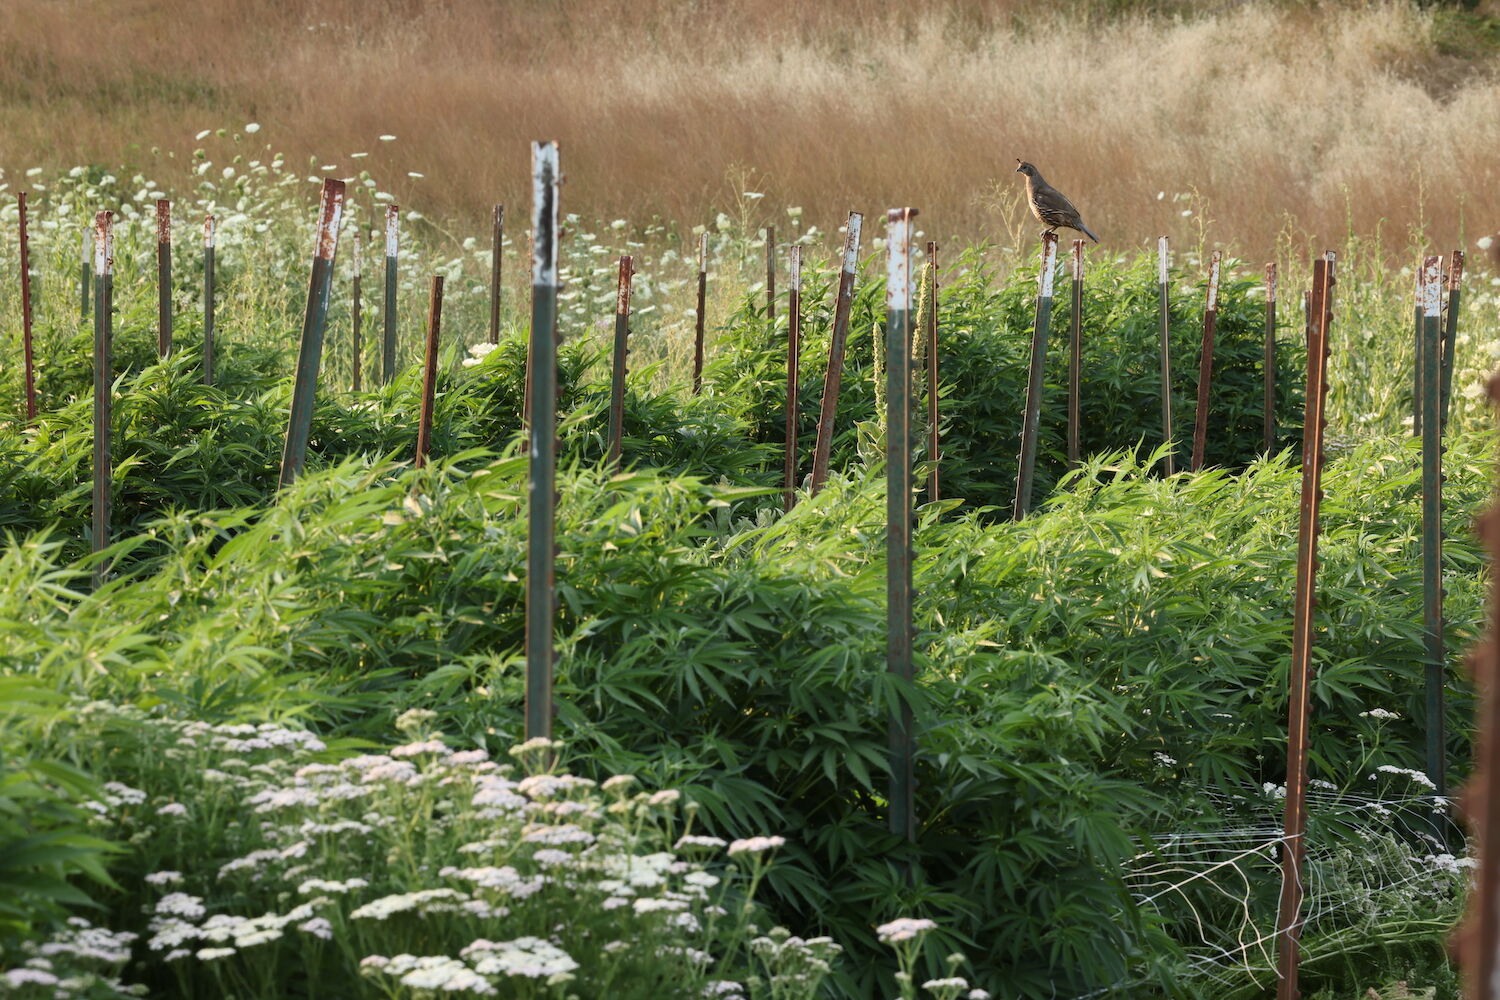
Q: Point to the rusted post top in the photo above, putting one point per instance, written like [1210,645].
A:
[1456,270]
[1049,264]
[104,244]
[1161,260]
[1271,282]
[392,229]
[1078,260]
[208,231]
[622,296]
[898,263]
[329,215]
[1432,286]
[851,242]
[163,221]
[1213,279]
[794,267]
[544,214]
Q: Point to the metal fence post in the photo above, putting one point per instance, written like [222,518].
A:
[310,353]
[1169,462]
[898,513]
[208,300]
[1450,327]
[104,269]
[429,369]
[1206,364]
[357,342]
[163,277]
[618,368]
[542,428]
[388,311]
[793,363]
[838,338]
[1269,362]
[934,428]
[698,320]
[1032,417]
[1075,361]
[497,258]
[28,357]
[1293,847]
[1432,517]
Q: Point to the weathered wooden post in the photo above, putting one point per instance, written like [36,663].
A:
[28,358]
[208,300]
[793,362]
[1293,846]
[618,368]
[1169,463]
[838,338]
[1206,364]
[497,241]
[1075,361]
[163,277]
[698,318]
[388,311]
[104,269]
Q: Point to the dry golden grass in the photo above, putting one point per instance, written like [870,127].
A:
[1280,121]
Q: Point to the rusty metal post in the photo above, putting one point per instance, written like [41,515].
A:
[1450,326]
[28,357]
[429,369]
[163,277]
[1293,845]
[771,275]
[208,300]
[85,272]
[898,511]
[1032,418]
[793,364]
[104,286]
[541,505]
[1269,362]
[1169,462]
[834,375]
[934,428]
[698,319]
[388,312]
[357,344]
[310,352]
[621,355]
[1075,361]
[1206,363]
[1432,517]
[496,259]
[1479,940]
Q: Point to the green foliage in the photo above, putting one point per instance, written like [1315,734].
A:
[985,332]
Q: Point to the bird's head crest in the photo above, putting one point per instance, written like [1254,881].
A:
[1025,168]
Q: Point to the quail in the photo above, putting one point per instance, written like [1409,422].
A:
[1048,204]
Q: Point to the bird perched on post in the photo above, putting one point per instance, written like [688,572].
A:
[1048,204]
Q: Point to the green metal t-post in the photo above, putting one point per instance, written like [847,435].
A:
[1031,419]
[208,300]
[1432,516]
[1169,463]
[104,266]
[541,498]
[314,321]
[1450,326]
[388,345]
[898,514]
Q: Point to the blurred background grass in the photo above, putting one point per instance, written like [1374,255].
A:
[1261,122]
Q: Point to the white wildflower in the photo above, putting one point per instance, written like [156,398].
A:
[903,929]
[755,845]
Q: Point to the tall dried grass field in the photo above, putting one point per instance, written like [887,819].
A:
[1246,125]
